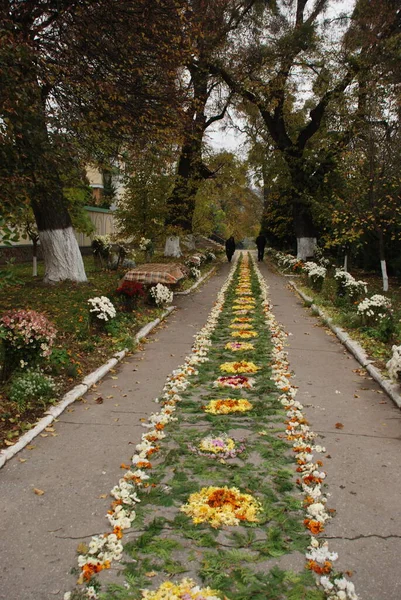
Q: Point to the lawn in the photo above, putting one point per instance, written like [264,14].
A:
[80,348]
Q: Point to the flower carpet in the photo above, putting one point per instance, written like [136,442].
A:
[220,488]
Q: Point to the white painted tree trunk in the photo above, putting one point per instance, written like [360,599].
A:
[172,247]
[346,262]
[63,259]
[189,241]
[384,275]
[34,266]
[306,247]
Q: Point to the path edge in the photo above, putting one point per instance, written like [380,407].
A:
[197,283]
[354,348]
[76,392]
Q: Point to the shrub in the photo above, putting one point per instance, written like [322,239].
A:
[102,308]
[194,272]
[31,386]
[316,274]
[349,287]
[161,295]
[130,291]
[27,336]
[374,309]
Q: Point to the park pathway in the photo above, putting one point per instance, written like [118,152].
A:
[361,430]
[79,462]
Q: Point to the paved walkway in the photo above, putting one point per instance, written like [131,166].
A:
[78,465]
[361,430]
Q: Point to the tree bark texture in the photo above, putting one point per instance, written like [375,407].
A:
[61,252]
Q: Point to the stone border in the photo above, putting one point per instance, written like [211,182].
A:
[356,350]
[76,392]
[195,285]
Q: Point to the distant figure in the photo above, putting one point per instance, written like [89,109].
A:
[261,244]
[230,248]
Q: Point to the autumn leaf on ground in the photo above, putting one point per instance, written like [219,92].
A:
[82,548]
[50,429]
[22,460]
[38,492]
[102,496]
[8,443]
[99,400]
[339,426]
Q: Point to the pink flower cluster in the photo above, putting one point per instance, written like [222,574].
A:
[27,329]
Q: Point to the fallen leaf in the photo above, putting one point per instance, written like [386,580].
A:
[339,426]
[382,402]
[54,434]
[30,447]
[22,460]
[82,548]
[49,429]
[38,492]
[151,574]
[117,419]
[356,396]
[99,400]
[108,397]
[114,377]
[102,496]
[8,443]
[43,435]
[125,395]
[124,466]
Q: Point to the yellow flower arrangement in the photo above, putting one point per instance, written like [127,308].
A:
[187,589]
[240,326]
[222,506]
[241,366]
[226,406]
[244,334]
[248,307]
[242,320]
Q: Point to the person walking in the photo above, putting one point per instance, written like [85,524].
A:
[261,244]
[230,248]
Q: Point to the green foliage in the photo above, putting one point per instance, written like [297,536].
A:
[31,387]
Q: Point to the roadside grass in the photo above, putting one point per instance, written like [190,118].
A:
[377,341]
[78,349]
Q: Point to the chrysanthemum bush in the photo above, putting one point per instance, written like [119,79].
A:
[130,292]
[316,274]
[31,387]
[27,337]
[194,272]
[161,295]
[375,309]
[348,286]
[101,309]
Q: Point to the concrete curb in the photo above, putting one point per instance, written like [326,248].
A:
[197,283]
[355,349]
[76,392]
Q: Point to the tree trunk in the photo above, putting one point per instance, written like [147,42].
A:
[304,230]
[39,162]
[35,257]
[383,263]
[172,247]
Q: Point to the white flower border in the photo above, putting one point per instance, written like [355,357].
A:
[105,548]
[336,587]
